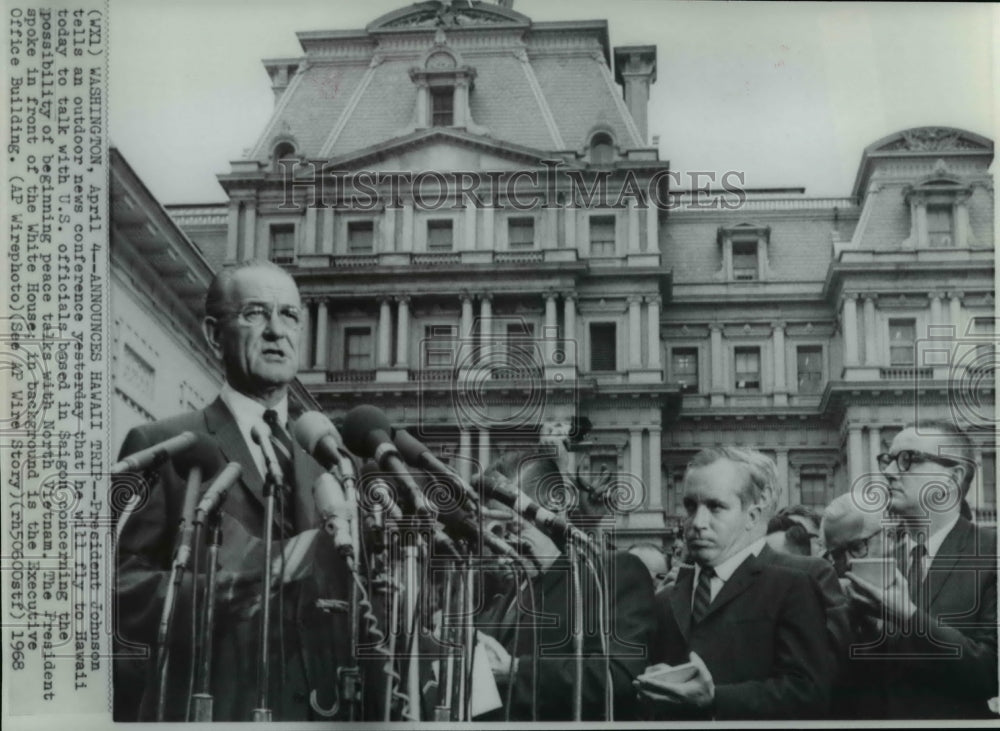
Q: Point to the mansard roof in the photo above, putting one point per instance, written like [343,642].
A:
[543,86]
[922,142]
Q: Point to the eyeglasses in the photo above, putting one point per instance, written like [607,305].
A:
[906,458]
[857,548]
[258,316]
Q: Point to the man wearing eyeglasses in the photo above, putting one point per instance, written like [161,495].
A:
[253,318]
[939,609]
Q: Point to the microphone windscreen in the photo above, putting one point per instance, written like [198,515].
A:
[203,453]
[310,428]
[409,446]
[360,424]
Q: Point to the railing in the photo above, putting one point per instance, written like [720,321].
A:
[518,257]
[432,374]
[449,257]
[350,376]
[520,373]
[905,373]
[350,261]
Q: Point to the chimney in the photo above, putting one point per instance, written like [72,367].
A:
[281,73]
[635,70]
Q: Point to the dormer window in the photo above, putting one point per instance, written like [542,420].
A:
[443,86]
[744,252]
[442,106]
[602,149]
[939,213]
[284,156]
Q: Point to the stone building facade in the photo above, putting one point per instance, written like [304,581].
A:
[493,252]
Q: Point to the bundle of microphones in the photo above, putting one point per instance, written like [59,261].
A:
[403,466]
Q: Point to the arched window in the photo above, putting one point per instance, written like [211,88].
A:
[602,149]
[283,151]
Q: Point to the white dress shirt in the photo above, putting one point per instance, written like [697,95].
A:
[248,412]
[725,570]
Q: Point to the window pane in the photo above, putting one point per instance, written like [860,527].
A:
[744,260]
[813,490]
[283,243]
[360,237]
[358,348]
[521,349]
[442,107]
[602,235]
[939,220]
[902,337]
[439,236]
[984,329]
[603,347]
[810,368]
[439,346]
[747,369]
[684,367]
[521,233]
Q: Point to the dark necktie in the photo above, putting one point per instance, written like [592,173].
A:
[915,577]
[282,444]
[702,594]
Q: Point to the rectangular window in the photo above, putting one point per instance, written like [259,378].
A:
[440,235]
[521,349]
[439,346]
[521,233]
[603,346]
[939,226]
[358,348]
[283,243]
[902,339]
[745,261]
[442,106]
[602,235]
[684,368]
[747,369]
[810,368]
[360,237]
[984,330]
[813,486]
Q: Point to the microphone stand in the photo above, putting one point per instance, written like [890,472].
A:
[262,713]
[577,624]
[351,688]
[411,574]
[442,712]
[202,700]
[468,643]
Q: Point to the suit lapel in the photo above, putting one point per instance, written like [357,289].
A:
[680,600]
[948,557]
[739,582]
[222,424]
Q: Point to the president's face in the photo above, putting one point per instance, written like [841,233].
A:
[258,336]
[915,492]
[717,524]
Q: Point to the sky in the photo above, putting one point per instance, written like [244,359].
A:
[788,93]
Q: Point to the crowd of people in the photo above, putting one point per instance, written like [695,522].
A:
[866,611]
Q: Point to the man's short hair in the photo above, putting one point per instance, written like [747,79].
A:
[218,288]
[957,446]
[761,485]
[783,520]
[536,469]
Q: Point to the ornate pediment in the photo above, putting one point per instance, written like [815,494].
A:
[448,14]
[933,139]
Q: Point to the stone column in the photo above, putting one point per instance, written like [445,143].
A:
[781,461]
[962,224]
[874,447]
[871,333]
[855,455]
[309,240]
[384,332]
[635,454]
[653,331]
[486,348]
[466,322]
[634,332]
[569,328]
[778,337]
[652,226]
[250,234]
[233,231]
[718,366]
[655,483]
[633,226]
[935,298]
[551,328]
[569,213]
[921,225]
[322,354]
[305,336]
[461,103]
[389,228]
[484,448]
[489,226]
[465,453]
[403,332]
[469,226]
[849,318]
[328,243]
[955,310]
[407,236]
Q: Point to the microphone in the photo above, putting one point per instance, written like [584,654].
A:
[336,510]
[261,434]
[418,455]
[202,458]
[216,492]
[319,437]
[463,526]
[154,456]
[498,487]
[366,433]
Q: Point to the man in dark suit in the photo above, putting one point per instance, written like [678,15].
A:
[939,610]
[252,323]
[530,625]
[753,628]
